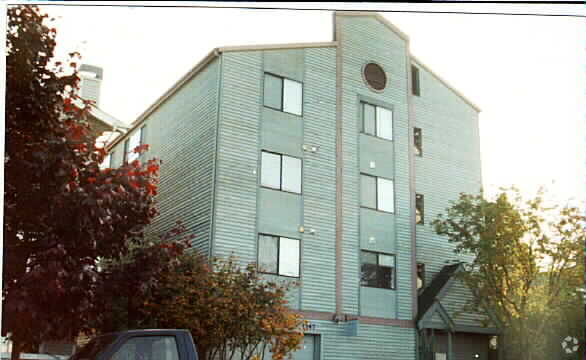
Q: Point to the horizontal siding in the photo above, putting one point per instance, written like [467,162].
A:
[456,301]
[380,342]
[238,152]
[365,39]
[450,165]
[319,189]
[181,133]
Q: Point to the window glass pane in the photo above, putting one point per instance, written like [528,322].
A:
[291,174]
[385,277]
[270,173]
[418,142]
[106,163]
[148,348]
[368,191]
[419,209]
[133,142]
[165,349]
[289,257]
[385,196]
[420,275]
[142,134]
[368,257]
[292,97]
[386,260]
[368,125]
[368,275]
[414,80]
[384,123]
[273,87]
[267,253]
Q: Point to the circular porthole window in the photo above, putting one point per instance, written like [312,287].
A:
[375,76]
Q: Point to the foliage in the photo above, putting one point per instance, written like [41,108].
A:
[231,311]
[62,212]
[528,263]
[124,283]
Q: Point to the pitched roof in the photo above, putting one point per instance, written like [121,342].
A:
[429,295]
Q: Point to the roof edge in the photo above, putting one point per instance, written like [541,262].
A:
[277,46]
[377,16]
[443,81]
[167,94]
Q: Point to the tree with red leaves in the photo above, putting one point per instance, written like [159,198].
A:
[62,212]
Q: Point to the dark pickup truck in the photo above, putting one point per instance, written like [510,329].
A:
[140,345]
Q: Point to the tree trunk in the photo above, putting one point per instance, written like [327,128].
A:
[15,355]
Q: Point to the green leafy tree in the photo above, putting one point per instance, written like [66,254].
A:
[62,212]
[233,312]
[528,263]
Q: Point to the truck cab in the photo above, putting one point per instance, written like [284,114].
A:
[152,344]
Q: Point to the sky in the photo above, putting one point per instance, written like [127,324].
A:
[526,73]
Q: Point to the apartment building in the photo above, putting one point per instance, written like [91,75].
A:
[324,163]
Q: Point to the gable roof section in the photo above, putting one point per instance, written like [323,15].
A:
[375,15]
[429,302]
[202,64]
[219,50]
[447,84]
[434,290]
[402,35]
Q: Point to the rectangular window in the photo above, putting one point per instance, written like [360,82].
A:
[377,270]
[132,143]
[420,275]
[415,80]
[419,214]
[418,141]
[377,193]
[283,94]
[377,121]
[278,255]
[280,172]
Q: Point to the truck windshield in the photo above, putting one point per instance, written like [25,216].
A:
[92,349]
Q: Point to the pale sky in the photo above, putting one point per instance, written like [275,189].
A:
[526,73]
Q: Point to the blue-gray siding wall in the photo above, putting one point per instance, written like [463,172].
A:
[242,208]
[238,156]
[450,163]
[456,304]
[362,40]
[182,133]
[372,342]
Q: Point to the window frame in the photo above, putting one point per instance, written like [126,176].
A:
[418,141]
[415,81]
[281,173]
[282,97]
[393,273]
[376,194]
[127,150]
[278,256]
[363,110]
[421,210]
[368,83]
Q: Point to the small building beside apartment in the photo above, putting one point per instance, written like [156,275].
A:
[324,163]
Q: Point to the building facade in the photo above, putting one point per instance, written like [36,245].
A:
[324,163]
